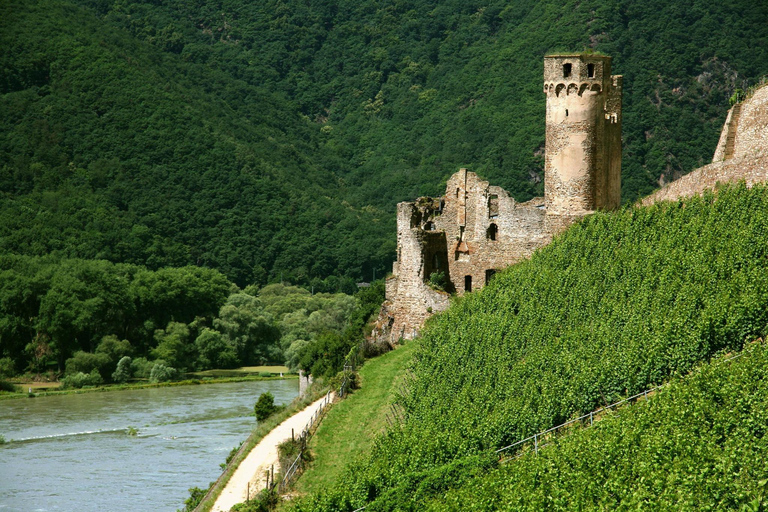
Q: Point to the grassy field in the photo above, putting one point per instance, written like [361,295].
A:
[245,370]
[351,425]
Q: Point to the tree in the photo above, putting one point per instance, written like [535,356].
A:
[215,350]
[123,371]
[249,329]
[173,345]
[265,406]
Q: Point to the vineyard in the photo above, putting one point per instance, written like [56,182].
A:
[621,302]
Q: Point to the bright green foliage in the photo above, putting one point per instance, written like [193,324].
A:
[80,379]
[162,373]
[249,329]
[123,371]
[618,303]
[700,445]
[85,362]
[215,350]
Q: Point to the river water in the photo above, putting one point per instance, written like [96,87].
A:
[72,452]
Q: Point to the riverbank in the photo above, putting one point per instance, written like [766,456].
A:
[138,385]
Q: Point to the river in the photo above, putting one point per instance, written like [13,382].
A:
[73,453]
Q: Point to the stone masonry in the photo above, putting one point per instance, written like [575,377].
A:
[745,135]
[476,229]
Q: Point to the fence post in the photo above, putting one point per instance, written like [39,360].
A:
[536,442]
[590,418]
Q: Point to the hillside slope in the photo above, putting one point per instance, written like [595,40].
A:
[274,138]
[617,304]
[115,149]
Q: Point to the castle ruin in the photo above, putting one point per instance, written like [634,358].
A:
[476,229]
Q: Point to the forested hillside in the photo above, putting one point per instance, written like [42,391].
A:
[269,138]
[621,302]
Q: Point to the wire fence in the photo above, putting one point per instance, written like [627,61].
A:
[544,438]
[304,437]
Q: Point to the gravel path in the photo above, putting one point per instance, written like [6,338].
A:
[254,468]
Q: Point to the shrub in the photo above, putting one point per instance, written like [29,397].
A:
[7,386]
[81,379]
[162,373]
[86,362]
[265,501]
[6,367]
[265,374]
[437,280]
[265,406]
[141,368]
[123,371]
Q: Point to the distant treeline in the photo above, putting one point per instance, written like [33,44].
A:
[76,316]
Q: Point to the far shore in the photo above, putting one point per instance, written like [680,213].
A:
[41,389]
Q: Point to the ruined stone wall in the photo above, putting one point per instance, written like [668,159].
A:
[486,230]
[750,154]
[470,233]
[477,229]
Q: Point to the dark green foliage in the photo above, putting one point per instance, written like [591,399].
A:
[618,303]
[437,280]
[8,387]
[6,367]
[271,140]
[265,406]
[51,309]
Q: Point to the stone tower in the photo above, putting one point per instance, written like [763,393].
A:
[582,169]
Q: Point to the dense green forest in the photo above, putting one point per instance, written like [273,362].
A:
[76,316]
[621,302]
[269,139]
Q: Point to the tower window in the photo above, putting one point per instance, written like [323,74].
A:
[467,284]
[590,70]
[489,274]
[566,112]
[566,70]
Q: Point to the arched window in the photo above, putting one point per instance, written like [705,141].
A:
[492,232]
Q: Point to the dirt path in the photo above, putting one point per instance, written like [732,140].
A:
[251,473]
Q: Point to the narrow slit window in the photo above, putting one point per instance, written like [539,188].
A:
[467,284]
[493,206]
[590,70]
[566,112]
[567,70]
